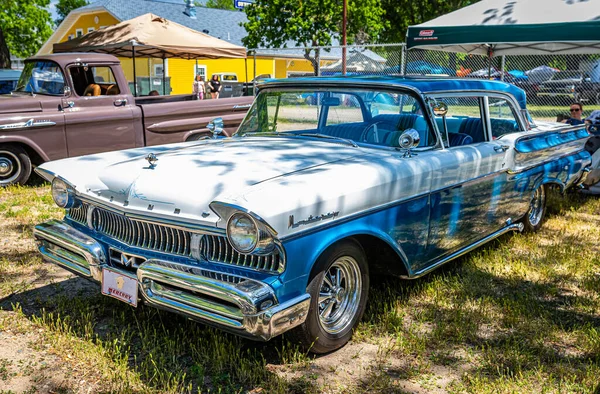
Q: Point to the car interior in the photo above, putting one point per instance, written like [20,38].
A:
[93,81]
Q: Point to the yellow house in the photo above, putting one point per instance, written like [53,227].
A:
[218,23]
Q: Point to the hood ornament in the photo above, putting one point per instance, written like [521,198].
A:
[152,159]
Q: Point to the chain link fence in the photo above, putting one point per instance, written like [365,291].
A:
[552,82]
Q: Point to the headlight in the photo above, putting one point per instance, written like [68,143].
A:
[62,193]
[246,236]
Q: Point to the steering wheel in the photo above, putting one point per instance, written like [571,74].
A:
[375,129]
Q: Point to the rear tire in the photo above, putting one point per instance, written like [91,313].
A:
[15,165]
[339,289]
[199,136]
[535,216]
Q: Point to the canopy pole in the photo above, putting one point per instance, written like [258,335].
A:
[502,66]
[246,70]
[254,78]
[165,76]
[134,73]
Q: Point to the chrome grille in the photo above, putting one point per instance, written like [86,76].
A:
[79,213]
[217,248]
[142,234]
[166,239]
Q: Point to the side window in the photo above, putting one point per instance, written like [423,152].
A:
[464,122]
[94,81]
[343,108]
[397,113]
[503,117]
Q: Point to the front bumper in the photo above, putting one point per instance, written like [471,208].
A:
[239,305]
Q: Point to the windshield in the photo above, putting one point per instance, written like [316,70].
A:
[358,115]
[41,77]
[567,75]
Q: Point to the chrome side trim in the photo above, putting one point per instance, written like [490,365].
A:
[28,125]
[511,227]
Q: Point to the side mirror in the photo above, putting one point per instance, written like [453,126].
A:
[215,126]
[67,91]
[408,140]
[440,108]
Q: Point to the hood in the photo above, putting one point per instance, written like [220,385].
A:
[19,103]
[187,177]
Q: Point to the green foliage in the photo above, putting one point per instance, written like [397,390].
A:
[403,13]
[63,7]
[26,25]
[308,23]
[220,4]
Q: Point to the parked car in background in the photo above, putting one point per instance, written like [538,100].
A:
[8,80]
[563,84]
[75,104]
[280,227]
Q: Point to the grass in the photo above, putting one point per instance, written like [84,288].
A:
[521,314]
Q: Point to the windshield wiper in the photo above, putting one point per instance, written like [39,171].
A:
[317,135]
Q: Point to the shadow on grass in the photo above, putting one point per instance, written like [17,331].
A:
[165,351]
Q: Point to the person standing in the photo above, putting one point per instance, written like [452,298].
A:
[215,87]
[198,88]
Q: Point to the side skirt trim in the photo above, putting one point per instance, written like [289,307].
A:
[511,227]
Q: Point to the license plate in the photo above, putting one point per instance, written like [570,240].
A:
[120,286]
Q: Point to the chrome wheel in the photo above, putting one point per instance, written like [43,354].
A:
[538,203]
[339,295]
[10,168]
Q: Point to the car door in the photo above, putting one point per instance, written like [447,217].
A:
[471,181]
[98,116]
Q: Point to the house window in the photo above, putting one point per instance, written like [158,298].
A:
[70,37]
[200,70]
[90,29]
[79,32]
[158,70]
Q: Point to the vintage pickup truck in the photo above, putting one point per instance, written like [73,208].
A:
[308,200]
[75,104]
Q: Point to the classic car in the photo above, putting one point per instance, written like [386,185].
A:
[74,104]
[279,227]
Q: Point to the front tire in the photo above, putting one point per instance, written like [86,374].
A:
[535,216]
[15,165]
[339,289]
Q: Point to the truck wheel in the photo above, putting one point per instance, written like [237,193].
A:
[537,210]
[199,136]
[338,290]
[15,165]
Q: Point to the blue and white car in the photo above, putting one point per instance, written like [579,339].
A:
[280,227]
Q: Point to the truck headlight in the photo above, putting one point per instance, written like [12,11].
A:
[62,193]
[248,236]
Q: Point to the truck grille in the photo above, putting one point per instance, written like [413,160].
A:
[171,240]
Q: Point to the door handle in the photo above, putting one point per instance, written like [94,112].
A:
[501,148]
[120,102]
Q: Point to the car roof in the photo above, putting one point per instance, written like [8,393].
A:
[421,84]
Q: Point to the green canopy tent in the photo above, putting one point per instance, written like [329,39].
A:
[513,27]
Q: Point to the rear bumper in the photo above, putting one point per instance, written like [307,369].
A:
[239,305]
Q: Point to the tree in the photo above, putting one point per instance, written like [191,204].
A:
[310,23]
[220,4]
[26,25]
[403,13]
[4,54]
[63,7]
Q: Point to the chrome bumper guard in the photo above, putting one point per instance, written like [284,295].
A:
[239,305]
